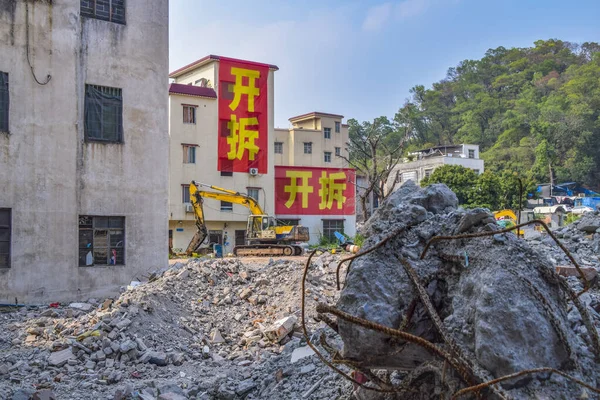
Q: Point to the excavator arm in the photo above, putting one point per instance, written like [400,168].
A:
[196,198]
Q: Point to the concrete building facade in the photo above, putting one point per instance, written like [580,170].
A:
[193,132]
[422,163]
[83,147]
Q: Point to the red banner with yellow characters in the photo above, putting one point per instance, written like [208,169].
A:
[243,116]
[314,191]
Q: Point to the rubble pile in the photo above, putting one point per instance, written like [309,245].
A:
[494,303]
[206,329]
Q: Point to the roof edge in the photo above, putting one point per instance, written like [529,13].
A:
[211,58]
[314,114]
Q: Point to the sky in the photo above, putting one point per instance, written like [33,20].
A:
[361,58]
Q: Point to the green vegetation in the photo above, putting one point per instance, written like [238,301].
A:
[570,218]
[496,191]
[533,111]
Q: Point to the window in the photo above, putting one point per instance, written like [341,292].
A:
[185,194]
[337,127]
[226,206]
[101,241]
[103,114]
[307,147]
[327,133]
[338,151]
[330,226]
[476,171]
[189,154]
[471,153]
[226,173]
[189,114]
[289,222]
[5,232]
[278,147]
[428,173]
[253,192]
[3,102]
[327,156]
[106,10]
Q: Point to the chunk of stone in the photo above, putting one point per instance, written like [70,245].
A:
[81,306]
[60,358]
[216,337]
[127,345]
[281,328]
[124,323]
[245,293]
[158,358]
[245,386]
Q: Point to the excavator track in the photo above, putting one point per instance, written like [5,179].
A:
[260,250]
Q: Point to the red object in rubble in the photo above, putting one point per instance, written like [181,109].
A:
[54,305]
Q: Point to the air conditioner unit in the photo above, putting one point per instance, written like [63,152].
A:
[189,208]
[253,171]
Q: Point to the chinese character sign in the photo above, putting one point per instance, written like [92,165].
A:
[243,116]
[314,191]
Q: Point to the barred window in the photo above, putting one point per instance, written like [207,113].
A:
[307,147]
[106,10]
[332,225]
[3,101]
[101,241]
[103,114]
[327,133]
[278,147]
[327,156]
[5,236]
[338,151]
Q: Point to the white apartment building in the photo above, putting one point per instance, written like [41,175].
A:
[194,155]
[422,163]
[83,147]
[314,139]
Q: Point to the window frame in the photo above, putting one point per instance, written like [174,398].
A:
[8,228]
[4,103]
[254,188]
[120,225]
[471,152]
[185,194]
[308,145]
[93,13]
[338,126]
[276,146]
[327,133]
[338,151]
[188,108]
[226,206]
[226,173]
[189,149]
[328,231]
[327,156]
[105,104]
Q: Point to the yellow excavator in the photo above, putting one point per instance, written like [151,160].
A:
[264,237]
[507,219]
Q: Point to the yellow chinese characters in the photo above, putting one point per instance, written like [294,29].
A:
[240,89]
[241,138]
[293,188]
[331,190]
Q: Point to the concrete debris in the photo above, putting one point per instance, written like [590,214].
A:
[281,328]
[495,301]
[187,334]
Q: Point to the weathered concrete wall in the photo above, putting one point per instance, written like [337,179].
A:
[50,176]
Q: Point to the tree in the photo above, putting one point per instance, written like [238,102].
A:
[374,149]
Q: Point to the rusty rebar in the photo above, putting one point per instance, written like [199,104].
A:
[512,228]
[484,385]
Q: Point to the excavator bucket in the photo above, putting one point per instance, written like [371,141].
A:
[197,240]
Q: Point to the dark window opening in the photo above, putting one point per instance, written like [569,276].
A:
[327,133]
[101,241]
[307,147]
[327,157]
[330,226]
[240,237]
[226,206]
[106,10]
[215,237]
[189,114]
[226,173]
[471,153]
[338,151]
[103,114]
[3,102]
[278,147]
[337,127]
[185,193]
[5,235]
[288,222]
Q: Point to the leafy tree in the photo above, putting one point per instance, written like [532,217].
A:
[374,149]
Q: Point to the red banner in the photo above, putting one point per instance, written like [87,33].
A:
[243,116]
[314,191]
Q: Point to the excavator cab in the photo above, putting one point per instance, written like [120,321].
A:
[261,227]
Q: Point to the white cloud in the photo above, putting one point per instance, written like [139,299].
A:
[411,8]
[377,16]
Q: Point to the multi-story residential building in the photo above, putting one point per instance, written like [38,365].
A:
[316,144]
[422,163]
[315,139]
[83,146]
[195,155]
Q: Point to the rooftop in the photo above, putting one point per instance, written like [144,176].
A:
[314,114]
[190,90]
[212,58]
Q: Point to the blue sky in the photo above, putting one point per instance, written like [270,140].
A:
[360,58]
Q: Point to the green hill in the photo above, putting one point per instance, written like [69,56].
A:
[532,110]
